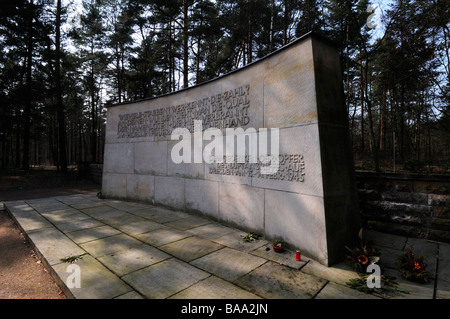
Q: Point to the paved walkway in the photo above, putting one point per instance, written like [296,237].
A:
[135,250]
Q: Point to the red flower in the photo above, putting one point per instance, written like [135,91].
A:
[363,259]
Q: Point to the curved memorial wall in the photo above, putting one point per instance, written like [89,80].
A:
[264,148]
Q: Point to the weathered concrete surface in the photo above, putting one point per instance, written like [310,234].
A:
[336,291]
[204,261]
[281,282]
[190,248]
[164,279]
[54,245]
[97,281]
[126,261]
[443,283]
[229,264]
[214,288]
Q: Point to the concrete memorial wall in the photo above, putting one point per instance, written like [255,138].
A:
[264,148]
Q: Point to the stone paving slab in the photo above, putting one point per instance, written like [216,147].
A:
[161,215]
[130,295]
[79,225]
[444,264]
[190,248]
[211,231]
[76,199]
[54,245]
[387,240]
[165,279]
[443,289]
[47,205]
[109,245]
[28,218]
[97,281]
[90,234]
[33,221]
[55,209]
[109,215]
[162,235]
[284,258]
[389,256]
[136,250]
[229,264]
[86,204]
[274,281]
[443,283]
[103,211]
[123,219]
[67,219]
[444,251]
[146,213]
[62,215]
[336,291]
[126,206]
[415,291]
[340,273]
[234,240]
[214,288]
[45,201]
[188,223]
[138,227]
[137,257]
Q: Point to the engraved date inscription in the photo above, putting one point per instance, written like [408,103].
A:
[291,168]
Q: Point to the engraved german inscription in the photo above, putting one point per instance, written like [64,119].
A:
[228,109]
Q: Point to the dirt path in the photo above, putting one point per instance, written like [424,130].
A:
[22,275]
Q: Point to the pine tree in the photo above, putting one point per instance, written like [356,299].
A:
[90,38]
[118,27]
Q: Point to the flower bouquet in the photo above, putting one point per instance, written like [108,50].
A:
[413,267]
[362,256]
[278,246]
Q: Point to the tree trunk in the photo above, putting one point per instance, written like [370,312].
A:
[28,94]
[285,23]
[94,117]
[171,79]
[59,100]
[118,74]
[250,33]
[373,143]
[18,131]
[382,122]
[185,45]
[402,123]
[372,136]
[362,106]
[272,18]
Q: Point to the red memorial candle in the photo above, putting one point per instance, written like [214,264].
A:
[298,255]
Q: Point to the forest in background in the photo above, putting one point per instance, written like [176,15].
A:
[62,62]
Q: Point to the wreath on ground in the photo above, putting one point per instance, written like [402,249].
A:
[413,267]
[361,256]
